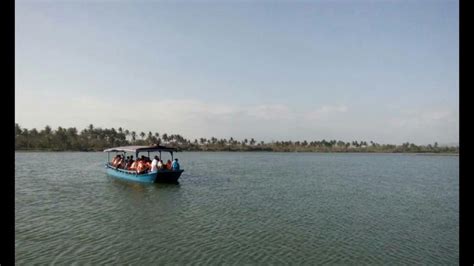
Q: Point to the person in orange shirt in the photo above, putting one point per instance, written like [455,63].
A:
[134,165]
[119,162]
[147,165]
[129,163]
[168,165]
[114,160]
[141,167]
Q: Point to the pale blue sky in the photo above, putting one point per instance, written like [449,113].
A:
[374,70]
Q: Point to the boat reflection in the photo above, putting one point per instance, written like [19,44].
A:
[142,187]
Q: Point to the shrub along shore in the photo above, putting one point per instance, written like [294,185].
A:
[98,139]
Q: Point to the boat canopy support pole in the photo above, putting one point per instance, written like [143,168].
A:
[108,156]
[171,155]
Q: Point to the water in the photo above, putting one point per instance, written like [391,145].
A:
[240,208]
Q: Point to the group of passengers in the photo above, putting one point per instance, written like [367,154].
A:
[143,164]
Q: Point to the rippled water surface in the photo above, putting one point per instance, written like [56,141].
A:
[240,208]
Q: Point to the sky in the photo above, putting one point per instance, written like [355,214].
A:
[386,71]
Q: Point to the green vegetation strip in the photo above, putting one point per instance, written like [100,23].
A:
[98,139]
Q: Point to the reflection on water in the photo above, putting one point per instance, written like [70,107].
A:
[279,209]
[143,186]
[127,184]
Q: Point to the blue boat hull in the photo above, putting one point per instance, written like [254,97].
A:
[155,177]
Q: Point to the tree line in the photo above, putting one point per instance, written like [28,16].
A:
[98,139]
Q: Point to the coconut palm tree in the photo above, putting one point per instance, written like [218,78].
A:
[17,130]
[150,136]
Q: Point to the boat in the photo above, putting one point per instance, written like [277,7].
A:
[162,175]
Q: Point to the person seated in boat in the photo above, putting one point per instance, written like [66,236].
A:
[168,164]
[160,164]
[134,165]
[141,167]
[154,164]
[119,162]
[175,165]
[129,163]
[148,166]
[114,160]
[124,162]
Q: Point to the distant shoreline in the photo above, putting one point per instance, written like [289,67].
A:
[99,139]
[346,152]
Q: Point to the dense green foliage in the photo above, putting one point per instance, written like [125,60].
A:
[98,139]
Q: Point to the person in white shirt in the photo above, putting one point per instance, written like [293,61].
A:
[154,164]
[160,164]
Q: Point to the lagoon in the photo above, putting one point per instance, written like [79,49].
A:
[240,208]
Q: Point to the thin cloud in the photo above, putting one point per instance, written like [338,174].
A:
[326,111]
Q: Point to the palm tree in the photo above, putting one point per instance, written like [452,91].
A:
[47,130]
[134,136]
[17,130]
[142,135]
[126,134]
